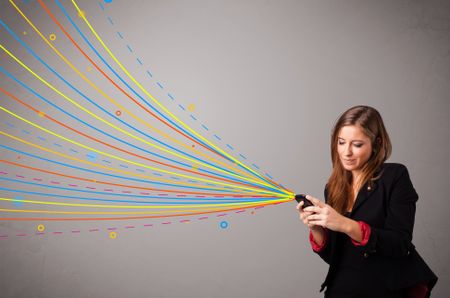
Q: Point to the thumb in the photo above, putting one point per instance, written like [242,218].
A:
[315,201]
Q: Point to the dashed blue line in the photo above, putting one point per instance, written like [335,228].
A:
[140,170]
[139,61]
[110,20]
[41,138]
[73,150]
[26,131]
[101,6]
[160,85]
[9,124]
[228,145]
[123,166]
[107,161]
[193,117]
[120,34]
[129,48]
[149,73]
[181,107]
[204,126]
[217,137]
[242,156]
[157,174]
[255,166]
[170,95]
[57,145]
[268,175]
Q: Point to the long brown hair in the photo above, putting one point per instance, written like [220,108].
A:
[339,185]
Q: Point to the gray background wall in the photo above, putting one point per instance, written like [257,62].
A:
[270,77]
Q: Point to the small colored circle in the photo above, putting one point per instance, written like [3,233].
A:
[41,228]
[52,36]
[191,107]
[118,113]
[112,235]
[224,224]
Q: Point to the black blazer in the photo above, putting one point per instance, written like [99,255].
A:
[388,206]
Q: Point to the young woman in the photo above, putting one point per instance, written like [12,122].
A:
[364,230]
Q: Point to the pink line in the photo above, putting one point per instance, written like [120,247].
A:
[144,193]
[202,218]
[73,185]
[126,191]
[240,211]
[55,182]
[111,229]
[185,220]
[148,225]
[20,176]
[4,173]
[129,227]
[37,179]
[57,233]
[166,223]
[260,207]
[21,235]
[223,214]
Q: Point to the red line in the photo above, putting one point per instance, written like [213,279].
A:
[119,149]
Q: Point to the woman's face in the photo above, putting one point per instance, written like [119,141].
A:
[354,148]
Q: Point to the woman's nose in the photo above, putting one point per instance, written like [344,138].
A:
[348,151]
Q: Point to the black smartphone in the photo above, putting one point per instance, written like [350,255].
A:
[306,202]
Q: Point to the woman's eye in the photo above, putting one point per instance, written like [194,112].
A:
[341,143]
[358,145]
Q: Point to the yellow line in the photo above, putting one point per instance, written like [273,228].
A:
[132,115]
[48,203]
[112,169]
[160,105]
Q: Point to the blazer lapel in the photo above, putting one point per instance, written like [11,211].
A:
[364,193]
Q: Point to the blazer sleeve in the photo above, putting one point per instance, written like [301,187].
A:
[325,252]
[394,239]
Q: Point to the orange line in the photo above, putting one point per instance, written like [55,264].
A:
[117,86]
[128,186]
[123,150]
[126,218]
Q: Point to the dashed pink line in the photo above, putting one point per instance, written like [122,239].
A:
[74,232]
[111,229]
[148,225]
[166,223]
[223,214]
[202,218]
[57,233]
[20,176]
[94,230]
[129,227]
[3,173]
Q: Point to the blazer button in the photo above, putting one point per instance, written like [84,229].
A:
[366,255]
[408,252]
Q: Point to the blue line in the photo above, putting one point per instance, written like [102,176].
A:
[128,125]
[105,200]
[100,173]
[41,138]
[139,61]
[120,35]
[129,48]
[183,108]
[26,131]
[217,137]
[101,6]
[230,147]
[57,145]
[193,117]
[149,73]
[171,96]
[242,156]
[159,84]
[204,126]
[110,20]
[131,195]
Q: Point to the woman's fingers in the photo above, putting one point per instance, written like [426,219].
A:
[315,201]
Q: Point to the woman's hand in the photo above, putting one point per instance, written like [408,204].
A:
[322,215]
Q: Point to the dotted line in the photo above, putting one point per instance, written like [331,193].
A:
[93,156]
[160,85]
[127,227]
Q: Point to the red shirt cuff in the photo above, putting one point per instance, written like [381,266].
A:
[365,231]
[316,247]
